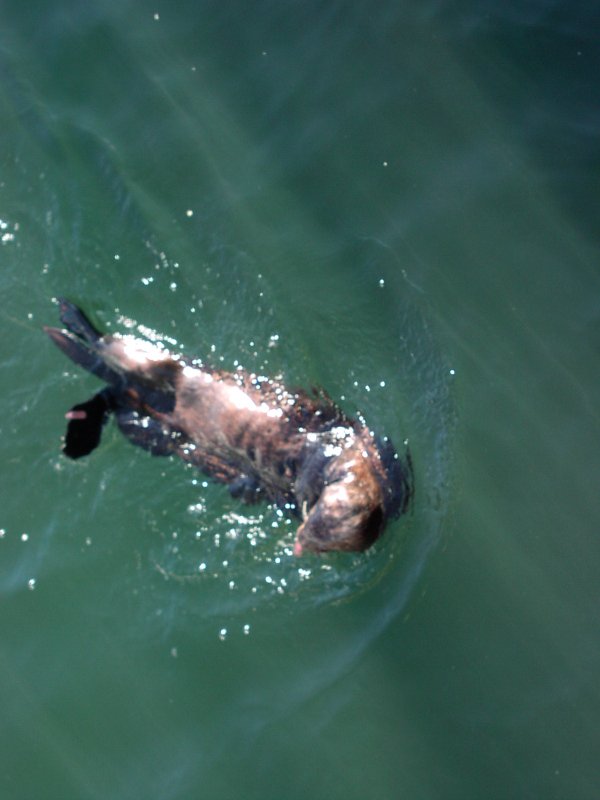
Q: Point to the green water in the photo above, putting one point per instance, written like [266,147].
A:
[398,203]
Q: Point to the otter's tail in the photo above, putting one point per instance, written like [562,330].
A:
[81,341]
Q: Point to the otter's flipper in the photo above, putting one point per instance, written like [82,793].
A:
[77,322]
[149,372]
[81,342]
[86,421]
[81,354]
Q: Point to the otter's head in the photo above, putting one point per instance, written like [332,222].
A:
[349,513]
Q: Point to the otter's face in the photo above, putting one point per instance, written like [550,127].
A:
[347,516]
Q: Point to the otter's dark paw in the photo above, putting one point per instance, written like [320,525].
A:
[245,488]
[146,432]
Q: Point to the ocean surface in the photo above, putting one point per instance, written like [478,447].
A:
[397,202]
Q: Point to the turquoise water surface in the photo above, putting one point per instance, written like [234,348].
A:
[396,202]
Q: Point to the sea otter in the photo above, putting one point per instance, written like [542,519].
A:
[292,448]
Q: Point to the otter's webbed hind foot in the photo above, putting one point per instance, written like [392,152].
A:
[76,321]
[86,421]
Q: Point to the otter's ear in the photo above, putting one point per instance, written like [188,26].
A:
[85,426]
